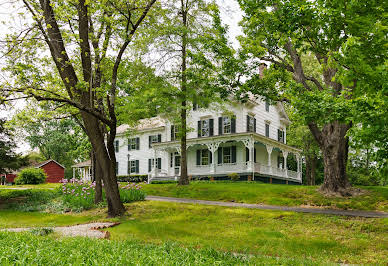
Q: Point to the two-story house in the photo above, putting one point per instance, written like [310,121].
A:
[244,138]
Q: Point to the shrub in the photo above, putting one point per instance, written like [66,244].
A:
[77,194]
[234,176]
[132,178]
[30,176]
[131,192]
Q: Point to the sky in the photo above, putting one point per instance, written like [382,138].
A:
[231,14]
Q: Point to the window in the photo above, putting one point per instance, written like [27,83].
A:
[280,162]
[281,135]
[133,144]
[251,123]
[117,168]
[116,144]
[177,159]
[204,157]
[174,132]
[226,125]
[267,105]
[227,155]
[267,130]
[151,164]
[205,127]
[154,139]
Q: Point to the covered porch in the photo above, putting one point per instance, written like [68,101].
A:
[248,154]
[83,170]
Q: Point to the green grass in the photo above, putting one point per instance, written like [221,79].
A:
[376,198]
[39,186]
[13,219]
[319,238]
[28,249]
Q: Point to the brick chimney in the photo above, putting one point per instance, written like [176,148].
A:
[262,67]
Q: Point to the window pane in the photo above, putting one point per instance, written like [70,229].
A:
[227,125]
[227,158]
[205,128]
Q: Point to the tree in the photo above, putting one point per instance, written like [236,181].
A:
[347,41]
[59,139]
[192,48]
[86,42]
[9,160]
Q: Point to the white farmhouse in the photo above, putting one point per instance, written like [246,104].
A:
[244,138]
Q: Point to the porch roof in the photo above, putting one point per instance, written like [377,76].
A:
[229,137]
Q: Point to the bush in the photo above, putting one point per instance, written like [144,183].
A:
[30,176]
[234,176]
[131,192]
[132,178]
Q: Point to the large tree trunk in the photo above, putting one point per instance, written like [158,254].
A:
[334,146]
[184,180]
[106,163]
[97,178]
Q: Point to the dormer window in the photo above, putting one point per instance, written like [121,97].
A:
[205,127]
[251,123]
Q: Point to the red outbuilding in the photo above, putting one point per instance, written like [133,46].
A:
[55,171]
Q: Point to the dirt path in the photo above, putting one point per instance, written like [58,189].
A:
[89,230]
[366,214]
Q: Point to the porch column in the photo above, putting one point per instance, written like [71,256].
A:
[285,154]
[269,151]
[73,172]
[250,145]
[213,147]
[155,168]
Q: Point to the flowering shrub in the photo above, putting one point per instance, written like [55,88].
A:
[131,192]
[77,194]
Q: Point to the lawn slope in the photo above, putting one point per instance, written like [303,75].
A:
[376,198]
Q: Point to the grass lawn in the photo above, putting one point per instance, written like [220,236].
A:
[27,249]
[39,186]
[11,218]
[303,237]
[288,195]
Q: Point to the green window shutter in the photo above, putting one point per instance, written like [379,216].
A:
[233,124]
[234,154]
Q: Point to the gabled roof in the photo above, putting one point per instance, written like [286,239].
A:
[38,165]
[143,124]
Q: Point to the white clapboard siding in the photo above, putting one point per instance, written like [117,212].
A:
[216,110]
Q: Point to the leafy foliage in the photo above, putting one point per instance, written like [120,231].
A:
[9,160]
[31,176]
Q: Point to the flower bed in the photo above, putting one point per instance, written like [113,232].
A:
[77,194]
[131,192]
